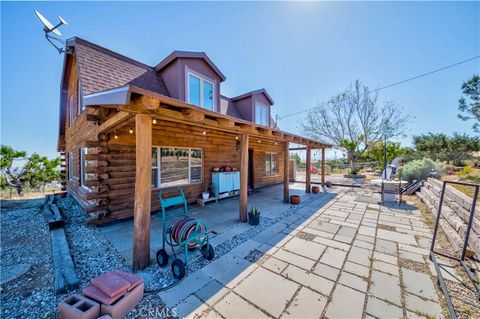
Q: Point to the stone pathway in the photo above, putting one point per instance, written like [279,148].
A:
[349,259]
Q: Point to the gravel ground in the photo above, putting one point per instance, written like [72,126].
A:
[25,239]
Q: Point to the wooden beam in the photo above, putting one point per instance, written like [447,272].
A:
[225,122]
[243,178]
[193,115]
[265,132]
[303,148]
[247,128]
[323,166]
[308,177]
[286,195]
[278,134]
[143,194]
[147,102]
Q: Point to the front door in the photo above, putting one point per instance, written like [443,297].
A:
[250,168]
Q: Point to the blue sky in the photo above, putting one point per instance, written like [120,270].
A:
[301,53]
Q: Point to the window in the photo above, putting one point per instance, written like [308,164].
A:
[80,105]
[200,91]
[70,111]
[172,166]
[271,164]
[83,165]
[262,115]
[70,166]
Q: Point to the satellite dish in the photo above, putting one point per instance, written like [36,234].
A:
[50,28]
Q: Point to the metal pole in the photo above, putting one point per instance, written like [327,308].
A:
[385,154]
[470,221]
[439,211]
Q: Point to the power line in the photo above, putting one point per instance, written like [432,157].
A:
[393,84]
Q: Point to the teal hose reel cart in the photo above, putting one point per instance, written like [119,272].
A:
[187,234]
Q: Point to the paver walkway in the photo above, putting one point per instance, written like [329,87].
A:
[349,259]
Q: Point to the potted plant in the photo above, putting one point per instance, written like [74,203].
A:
[254,216]
[206,193]
[295,199]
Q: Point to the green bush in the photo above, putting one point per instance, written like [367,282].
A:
[419,169]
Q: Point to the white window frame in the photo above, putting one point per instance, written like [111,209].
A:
[202,80]
[80,106]
[258,121]
[159,166]
[270,171]
[83,166]
[70,111]
[70,166]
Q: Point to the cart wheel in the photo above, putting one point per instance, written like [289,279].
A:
[162,257]
[178,269]
[208,252]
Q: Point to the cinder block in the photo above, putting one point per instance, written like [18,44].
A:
[78,307]
[125,304]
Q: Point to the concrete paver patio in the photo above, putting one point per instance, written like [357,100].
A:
[343,260]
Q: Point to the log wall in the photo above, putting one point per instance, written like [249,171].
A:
[111,166]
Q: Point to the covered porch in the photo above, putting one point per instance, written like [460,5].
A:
[137,111]
[221,219]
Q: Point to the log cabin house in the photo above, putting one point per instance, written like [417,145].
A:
[128,130]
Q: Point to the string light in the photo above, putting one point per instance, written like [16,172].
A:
[204,133]
[115,136]
[154,120]
[236,137]
[259,141]
[130,130]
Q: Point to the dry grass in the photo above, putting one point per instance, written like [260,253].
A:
[463,295]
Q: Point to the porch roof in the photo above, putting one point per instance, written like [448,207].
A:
[132,99]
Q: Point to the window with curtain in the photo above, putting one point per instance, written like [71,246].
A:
[200,91]
[83,165]
[271,164]
[262,114]
[172,166]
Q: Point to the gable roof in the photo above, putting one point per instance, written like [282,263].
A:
[102,69]
[259,91]
[189,55]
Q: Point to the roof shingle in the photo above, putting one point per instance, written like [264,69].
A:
[101,69]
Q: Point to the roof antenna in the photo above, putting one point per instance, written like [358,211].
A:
[48,28]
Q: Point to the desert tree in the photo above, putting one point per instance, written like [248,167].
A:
[354,121]
[469,103]
[20,170]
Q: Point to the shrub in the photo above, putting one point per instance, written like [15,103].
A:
[465,171]
[419,169]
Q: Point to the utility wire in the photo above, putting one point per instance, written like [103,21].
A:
[390,85]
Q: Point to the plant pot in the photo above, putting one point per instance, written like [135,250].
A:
[253,219]
[315,189]
[294,199]
[205,195]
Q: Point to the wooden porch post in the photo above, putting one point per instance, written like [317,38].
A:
[243,178]
[286,176]
[308,178]
[143,184]
[323,166]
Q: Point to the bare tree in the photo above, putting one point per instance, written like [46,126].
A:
[354,121]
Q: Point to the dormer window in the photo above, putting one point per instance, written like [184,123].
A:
[262,114]
[200,91]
